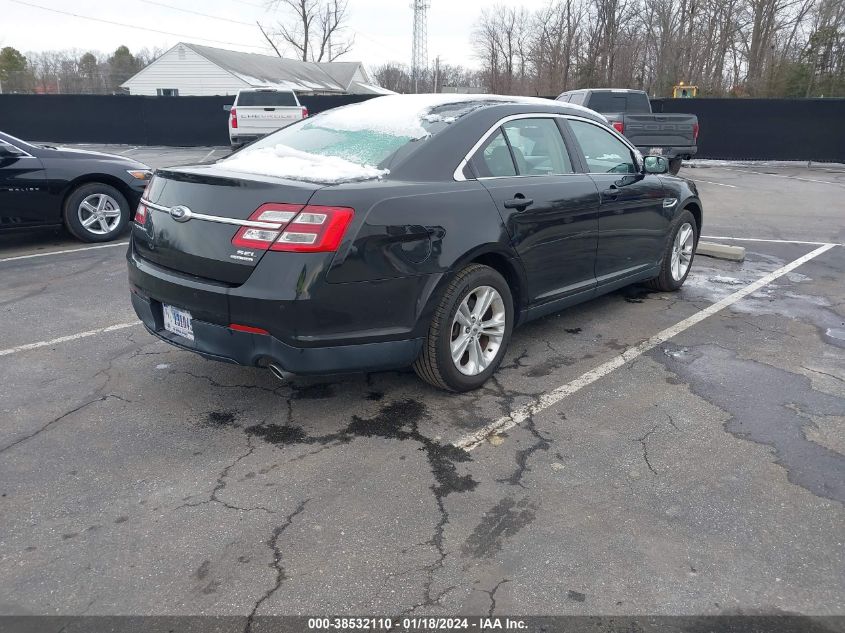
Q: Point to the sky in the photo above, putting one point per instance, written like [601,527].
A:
[382,28]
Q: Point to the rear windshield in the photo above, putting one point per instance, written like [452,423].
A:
[379,147]
[634,102]
[266,99]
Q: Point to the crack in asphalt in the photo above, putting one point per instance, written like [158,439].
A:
[642,441]
[59,419]
[398,421]
[522,456]
[273,544]
[492,594]
[221,485]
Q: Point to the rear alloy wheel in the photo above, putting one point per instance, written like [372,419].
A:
[96,212]
[470,331]
[678,255]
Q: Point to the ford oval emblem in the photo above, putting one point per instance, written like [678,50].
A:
[180,213]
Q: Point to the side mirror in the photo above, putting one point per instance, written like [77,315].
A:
[655,165]
[227,108]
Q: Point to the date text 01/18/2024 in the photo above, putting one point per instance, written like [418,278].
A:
[416,624]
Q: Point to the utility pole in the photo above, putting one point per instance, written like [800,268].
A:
[436,74]
[419,47]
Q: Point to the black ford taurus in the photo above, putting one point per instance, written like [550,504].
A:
[92,194]
[405,230]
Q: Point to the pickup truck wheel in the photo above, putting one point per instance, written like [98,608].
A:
[469,332]
[675,165]
[678,254]
[96,212]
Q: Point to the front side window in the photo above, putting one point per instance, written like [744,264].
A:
[538,147]
[604,152]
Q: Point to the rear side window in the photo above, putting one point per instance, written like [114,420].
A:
[604,152]
[577,98]
[537,147]
[494,158]
[266,99]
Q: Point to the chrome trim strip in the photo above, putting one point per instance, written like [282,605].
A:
[458,173]
[216,218]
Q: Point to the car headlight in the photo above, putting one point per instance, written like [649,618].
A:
[140,174]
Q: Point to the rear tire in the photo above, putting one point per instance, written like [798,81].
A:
[479,335]
[675,165]
[96,212]
[677,255]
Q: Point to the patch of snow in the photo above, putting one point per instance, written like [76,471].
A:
[728,281]
[710,162]
[162,366]
[282,161]
[403,115]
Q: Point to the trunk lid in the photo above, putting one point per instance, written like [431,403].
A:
[203,246]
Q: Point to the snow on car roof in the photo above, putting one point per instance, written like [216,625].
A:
[403,115]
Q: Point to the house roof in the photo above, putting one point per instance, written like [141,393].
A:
[267,71]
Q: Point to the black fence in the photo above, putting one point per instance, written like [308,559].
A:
[766,129]
[133,120]
[731,129]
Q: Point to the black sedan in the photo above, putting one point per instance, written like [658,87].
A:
[92,194]
[405,230]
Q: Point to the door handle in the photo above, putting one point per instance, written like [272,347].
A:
[518,202]
[612,192]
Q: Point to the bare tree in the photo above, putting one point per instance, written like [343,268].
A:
[315,30]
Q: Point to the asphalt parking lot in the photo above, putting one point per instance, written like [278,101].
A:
[674,454]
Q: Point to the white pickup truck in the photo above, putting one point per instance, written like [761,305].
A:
[258,112]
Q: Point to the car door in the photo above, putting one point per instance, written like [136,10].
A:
[632,219]
[24,199]
[550,211]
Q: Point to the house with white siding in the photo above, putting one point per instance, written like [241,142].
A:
[191,69]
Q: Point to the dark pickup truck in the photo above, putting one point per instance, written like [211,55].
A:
[629,111]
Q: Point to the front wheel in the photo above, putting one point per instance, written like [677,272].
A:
[678,254]
[96,212]
[469,332]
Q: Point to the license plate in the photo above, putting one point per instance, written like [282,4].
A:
[656,151]
[178,321]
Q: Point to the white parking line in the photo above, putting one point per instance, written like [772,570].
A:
[207,156]
[69,250]
[756,239]
[65,339]
[720,184]
[547,400]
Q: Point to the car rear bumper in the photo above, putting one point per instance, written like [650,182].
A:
[217,342]
[301,338]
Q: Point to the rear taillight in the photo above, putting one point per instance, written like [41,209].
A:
[304,112]
[234,118]
[315,230]
[695,131]
[292,227]
[141,214]
[619,126]
[274,216]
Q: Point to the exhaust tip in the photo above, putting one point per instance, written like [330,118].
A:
[279,373]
